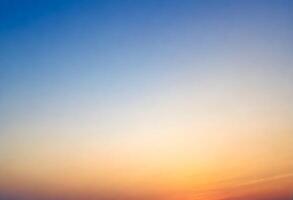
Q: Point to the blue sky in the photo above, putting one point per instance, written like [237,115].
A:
[55,44]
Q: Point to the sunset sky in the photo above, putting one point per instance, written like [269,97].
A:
[146,100]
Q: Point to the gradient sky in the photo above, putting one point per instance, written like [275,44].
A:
[146,100]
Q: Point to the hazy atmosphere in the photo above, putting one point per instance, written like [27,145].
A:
[146,100]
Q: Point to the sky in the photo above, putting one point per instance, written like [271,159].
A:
[146,100]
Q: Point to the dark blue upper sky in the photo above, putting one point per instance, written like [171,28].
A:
[120,49]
